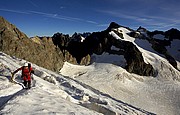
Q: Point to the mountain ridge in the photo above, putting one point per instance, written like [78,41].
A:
[60,47]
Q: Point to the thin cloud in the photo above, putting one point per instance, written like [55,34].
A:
[162,22]
[103,25]
[42,13]
[14,11]
[165,19]
[32,3]
[62,7]
[120,15]
[61,17]
[56,16]
[50,15]
[92,22]
[149,20]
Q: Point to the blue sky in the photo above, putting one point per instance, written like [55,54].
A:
[46,17]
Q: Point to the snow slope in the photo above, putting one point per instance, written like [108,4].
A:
[159,95]
[44,98]
[156,95]
[53,93]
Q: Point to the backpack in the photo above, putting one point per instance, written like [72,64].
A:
[25,72]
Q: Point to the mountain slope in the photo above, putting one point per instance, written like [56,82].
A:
[53,93]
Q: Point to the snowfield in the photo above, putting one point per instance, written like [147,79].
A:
[54,93]
[159,96]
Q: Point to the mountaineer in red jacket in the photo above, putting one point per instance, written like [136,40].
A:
[26,74]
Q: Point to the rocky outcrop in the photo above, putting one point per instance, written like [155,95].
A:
[159,44]
[72,48]
[41,51]
[134,58]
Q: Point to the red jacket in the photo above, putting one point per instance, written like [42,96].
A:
[26,73]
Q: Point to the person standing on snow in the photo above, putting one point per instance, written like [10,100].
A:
[26,74]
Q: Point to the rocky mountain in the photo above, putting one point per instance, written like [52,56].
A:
[100,42]
[51,52]
[40,51]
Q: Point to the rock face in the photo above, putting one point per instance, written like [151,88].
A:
[134,58]
[72,48]
[15,43]
[160,44]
